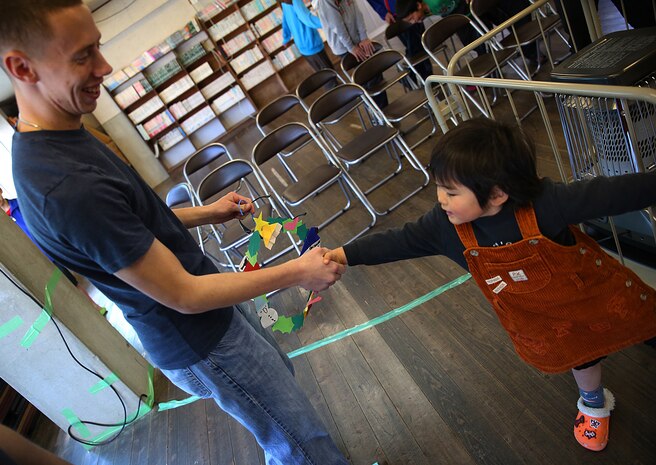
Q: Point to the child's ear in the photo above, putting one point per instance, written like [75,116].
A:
[497,197]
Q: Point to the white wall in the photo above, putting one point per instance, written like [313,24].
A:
[6,179]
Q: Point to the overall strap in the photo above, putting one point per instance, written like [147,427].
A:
[528,224]
[466,235]
[387,5]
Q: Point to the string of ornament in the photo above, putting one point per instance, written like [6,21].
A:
[265,233]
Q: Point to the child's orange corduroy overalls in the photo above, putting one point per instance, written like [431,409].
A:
[562,306]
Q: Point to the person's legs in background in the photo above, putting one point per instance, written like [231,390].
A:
[411,39]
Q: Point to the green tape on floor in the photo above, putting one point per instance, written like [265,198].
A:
[46,314]
[381,319]
[10,326]
[103,384]
[348,332]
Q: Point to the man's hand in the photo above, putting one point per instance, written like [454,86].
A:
[389,18]
[335,255]
[230,206]
[368,47]
[318,274]
[359,53]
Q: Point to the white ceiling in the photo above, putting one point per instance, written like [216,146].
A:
[95,4]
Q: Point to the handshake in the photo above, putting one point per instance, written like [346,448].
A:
[320,268]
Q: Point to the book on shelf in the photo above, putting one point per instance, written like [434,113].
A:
[164,73]
[285,57]
[228,99]
[246,59]
[269,22]
[132,93]
[257,75]
[145,110]
[211,9]
[197,120]
[115,80]
[179,109]
[171,138]
[176,89]
[273,42]
[252,9]
[226,26]
[238,42]
[201,72]
[158,123]
[194,53]
[217,85]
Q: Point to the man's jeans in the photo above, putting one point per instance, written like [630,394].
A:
[252,379]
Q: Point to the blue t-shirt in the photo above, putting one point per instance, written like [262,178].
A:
[301,25]
[95,215]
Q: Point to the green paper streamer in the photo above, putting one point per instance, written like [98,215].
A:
[254,244]
[10,326]
[376,321]
[103,384]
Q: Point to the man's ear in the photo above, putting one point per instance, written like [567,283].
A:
[497,197]
[19,66]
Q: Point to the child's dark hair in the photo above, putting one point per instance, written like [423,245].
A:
[481,153]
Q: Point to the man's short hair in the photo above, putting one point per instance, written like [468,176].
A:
[24,24]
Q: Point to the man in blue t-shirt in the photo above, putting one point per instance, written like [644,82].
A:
[94,214]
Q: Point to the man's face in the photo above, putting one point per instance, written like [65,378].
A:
[71,67]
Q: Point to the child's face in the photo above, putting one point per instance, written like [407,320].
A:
[461,205]
[416,16]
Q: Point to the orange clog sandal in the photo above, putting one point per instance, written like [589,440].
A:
[592,424]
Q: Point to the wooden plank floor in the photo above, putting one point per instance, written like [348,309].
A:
[440,384]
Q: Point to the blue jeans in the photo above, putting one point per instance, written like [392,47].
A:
[252,380]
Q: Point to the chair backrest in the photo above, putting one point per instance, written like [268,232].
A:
[180,194]
[276,109]
[481,7]
[375,65]
[440,31]
[204,157]
[334,100]
[348,62]
[277,141]
[396,28]
[316,81]
[223,177]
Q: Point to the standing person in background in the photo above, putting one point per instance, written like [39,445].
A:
[301,25]
[411,37]
[345,32]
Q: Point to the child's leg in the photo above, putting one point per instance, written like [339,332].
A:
[593,420]
[589,382]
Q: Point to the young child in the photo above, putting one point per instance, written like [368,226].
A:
[564,302]
[301,25]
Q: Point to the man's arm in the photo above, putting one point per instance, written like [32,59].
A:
[228,207]
[161,276]
[24,452]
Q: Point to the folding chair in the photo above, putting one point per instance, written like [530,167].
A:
[240,175]
[522,34]
[484,65]
[202,158]
[288,106]
[348,63]
[319,176]
[397,67]
[400,29]
[182,195]
[368,141]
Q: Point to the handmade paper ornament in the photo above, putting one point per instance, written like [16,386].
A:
[268,316]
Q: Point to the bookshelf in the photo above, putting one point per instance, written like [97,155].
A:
[248,35]
[16,412]
[182,94]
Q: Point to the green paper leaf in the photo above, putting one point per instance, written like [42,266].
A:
[284,324]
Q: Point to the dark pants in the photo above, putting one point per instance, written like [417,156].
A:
[319,61]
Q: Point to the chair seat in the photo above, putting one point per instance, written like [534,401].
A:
[366,143]
[530,32]
[386,82]
[300,142]
[404,105]
[483,65]
[335,117]
[314,181]
[418,57]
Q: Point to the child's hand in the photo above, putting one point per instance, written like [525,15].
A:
[335,255]
[359,53]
